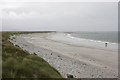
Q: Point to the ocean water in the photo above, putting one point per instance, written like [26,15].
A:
[90,39]
[110,37]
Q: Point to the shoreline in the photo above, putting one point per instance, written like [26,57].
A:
[81,62]
[69,35]
[67,38]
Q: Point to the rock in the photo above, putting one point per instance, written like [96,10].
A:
[69,76]
[78,72]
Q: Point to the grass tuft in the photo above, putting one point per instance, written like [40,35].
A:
[18,63]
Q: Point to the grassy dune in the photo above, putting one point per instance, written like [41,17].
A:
[17,63]
[0,55]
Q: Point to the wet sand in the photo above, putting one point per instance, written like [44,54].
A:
[80,61]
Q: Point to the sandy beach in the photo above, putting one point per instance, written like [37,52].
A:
[80,61]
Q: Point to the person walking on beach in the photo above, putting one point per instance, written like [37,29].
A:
[105,44]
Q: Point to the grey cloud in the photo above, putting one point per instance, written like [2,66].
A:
[62,16]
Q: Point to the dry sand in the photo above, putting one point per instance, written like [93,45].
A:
[80,61]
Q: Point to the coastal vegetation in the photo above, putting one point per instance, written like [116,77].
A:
[18,63]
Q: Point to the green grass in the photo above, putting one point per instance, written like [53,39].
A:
[0,55]
[17,63]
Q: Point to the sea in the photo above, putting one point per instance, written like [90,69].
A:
[90,39]
[110,37]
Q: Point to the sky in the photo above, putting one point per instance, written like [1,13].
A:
[59,16]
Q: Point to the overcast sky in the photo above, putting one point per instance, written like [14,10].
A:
[60,16]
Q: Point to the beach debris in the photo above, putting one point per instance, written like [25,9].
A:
[24,45]
[84,64]
[34,53]
[99,75]
[69,76]
[51,53]
[105,67]
[92,75]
